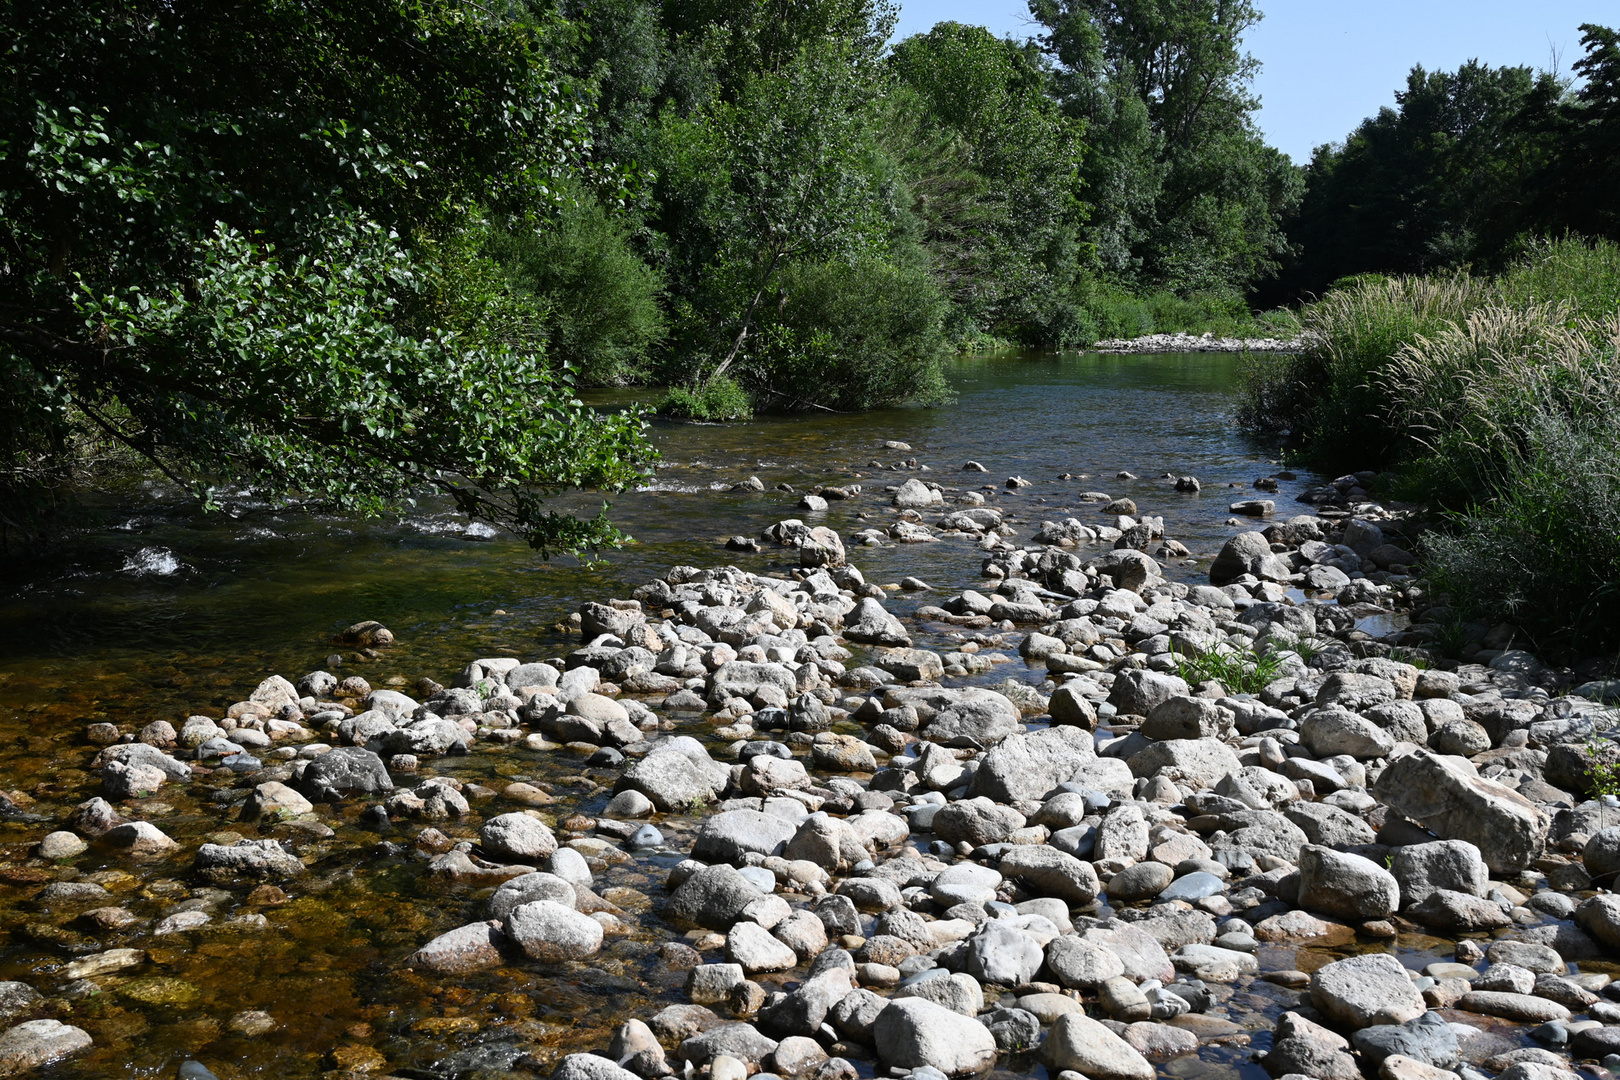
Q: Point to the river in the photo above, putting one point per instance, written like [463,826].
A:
[170,613]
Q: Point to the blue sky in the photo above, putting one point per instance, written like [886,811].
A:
[1327,65]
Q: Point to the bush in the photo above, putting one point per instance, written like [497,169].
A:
[1114,311]
[1327,395]
[1544,551]
[1497,402]
[602,311]
[717,400]
[846,337]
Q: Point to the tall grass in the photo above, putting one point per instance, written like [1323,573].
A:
[1328,396]
[1497,401]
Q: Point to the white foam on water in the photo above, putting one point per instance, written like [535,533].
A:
[152,562]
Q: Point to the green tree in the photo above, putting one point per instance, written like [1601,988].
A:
[1579,190]
[601,315]
[1198,198]
[1440,180]
[233,237]
[993,168]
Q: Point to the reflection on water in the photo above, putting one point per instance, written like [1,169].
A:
[169,613]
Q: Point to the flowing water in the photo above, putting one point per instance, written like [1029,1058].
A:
[171,613]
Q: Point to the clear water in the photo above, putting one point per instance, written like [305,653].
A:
[170,613]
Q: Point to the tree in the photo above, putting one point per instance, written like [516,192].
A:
[1196,198]
[232,237]
[993,167]
[1442,179]
[1579,190]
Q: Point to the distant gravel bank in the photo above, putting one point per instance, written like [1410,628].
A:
[1163,343]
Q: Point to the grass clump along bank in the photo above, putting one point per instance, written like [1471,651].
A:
[1496,401]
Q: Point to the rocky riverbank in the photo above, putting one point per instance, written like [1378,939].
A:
[1027,825]
[1174,343]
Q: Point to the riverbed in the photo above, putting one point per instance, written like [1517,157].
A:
[169,613]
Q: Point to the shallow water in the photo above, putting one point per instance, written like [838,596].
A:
[171,613]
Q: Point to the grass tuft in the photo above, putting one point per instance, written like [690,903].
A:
[1495,401]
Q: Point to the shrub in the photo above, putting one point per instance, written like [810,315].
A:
[601,300]
[1327,395]
[1543,547]
[1497,402]
[716,400]
[844,337]
[1111,310]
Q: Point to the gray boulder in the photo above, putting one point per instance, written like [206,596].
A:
[526,888]
[1338,883]
[516,837]
[1443,864]
[1137,692]
[1187,718]
[1003,955]
[342,771]
[1325,824]
[36,1043]
[1335,730]
[974,719]
[1361,991]
[1027,766]
[1077,1043]
[1427,1038]
[590,1067]
[671,780]
[1248,553]
[1447,796]
[1050,872]
[553,933]
[714,898]
[916,495]
[474,947]
[1199,763]
[977,821]
[261,860]
[731,835]
[912,1033]
[741,1041]
[872,624]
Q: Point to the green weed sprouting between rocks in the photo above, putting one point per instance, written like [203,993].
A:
[1603,775]
[1240,670]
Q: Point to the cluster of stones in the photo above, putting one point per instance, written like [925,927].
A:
[1086,870]
[1352,798]
[1208,342]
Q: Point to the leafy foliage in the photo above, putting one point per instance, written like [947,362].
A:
[1494,404]
[841,336]
[599,301]
[1192,198]
[1002,219]
[1465,167]
[713,399]
[234,238]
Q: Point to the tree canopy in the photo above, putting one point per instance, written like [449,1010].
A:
[1189,195]
[1463,170]
[234,245]
[346,254]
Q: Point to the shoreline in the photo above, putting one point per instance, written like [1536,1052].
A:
[881,819]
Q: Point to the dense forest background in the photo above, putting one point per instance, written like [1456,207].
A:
[348,251]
